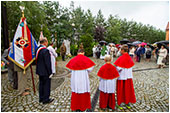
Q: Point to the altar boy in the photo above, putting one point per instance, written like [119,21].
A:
[80,67]
[125,88]
[107,85]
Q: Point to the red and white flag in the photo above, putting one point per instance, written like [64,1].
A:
[22,52]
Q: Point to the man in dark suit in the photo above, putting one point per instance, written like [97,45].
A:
[138,53]
[43,69]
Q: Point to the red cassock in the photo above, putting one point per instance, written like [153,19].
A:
[80,101]
[125,88]
[107,72]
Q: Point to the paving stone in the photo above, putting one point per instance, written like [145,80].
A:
[67,110]
[57,110]
[52,106]
[62,110]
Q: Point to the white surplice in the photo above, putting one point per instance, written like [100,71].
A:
[107,86]
[125,73]
[53,57]
[80,80]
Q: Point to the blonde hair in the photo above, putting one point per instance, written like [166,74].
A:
[107,58]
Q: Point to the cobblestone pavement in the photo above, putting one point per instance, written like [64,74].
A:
[151,88]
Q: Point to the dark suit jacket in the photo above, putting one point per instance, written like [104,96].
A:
[139,51]
[43,67]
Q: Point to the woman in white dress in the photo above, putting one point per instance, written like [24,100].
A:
[94,51]
[162,55]
[53,57]
[111,52]
[132,52]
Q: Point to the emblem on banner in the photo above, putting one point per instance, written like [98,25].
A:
[21,42]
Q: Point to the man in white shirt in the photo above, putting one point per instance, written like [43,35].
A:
[53,57]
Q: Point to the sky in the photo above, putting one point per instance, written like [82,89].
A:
[155,13]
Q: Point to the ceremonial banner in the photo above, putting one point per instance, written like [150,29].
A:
[22,52]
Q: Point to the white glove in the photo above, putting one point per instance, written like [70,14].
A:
[51,76]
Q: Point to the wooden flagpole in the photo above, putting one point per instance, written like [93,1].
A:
[25,37]
[32,79]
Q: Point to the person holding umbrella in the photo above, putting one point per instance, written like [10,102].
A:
[98,51]
[132,51]
[138,53]
[155,51]
[148,53]
[162,57]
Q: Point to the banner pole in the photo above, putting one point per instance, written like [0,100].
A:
[32,79]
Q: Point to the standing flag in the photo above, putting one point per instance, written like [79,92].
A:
[24,45]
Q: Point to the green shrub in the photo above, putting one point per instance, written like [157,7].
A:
[88,44]
[74,49]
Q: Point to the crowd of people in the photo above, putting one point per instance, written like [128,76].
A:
[136,52]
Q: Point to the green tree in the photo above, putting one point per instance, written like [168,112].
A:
[125,29]
[57,23]
[113,30]
[100,24]
[87,41]
[89,25]
[78,18]
[100,20]
[51,21]
[32,13]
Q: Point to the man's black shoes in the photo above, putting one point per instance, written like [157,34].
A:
[40,101]
[49,101]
